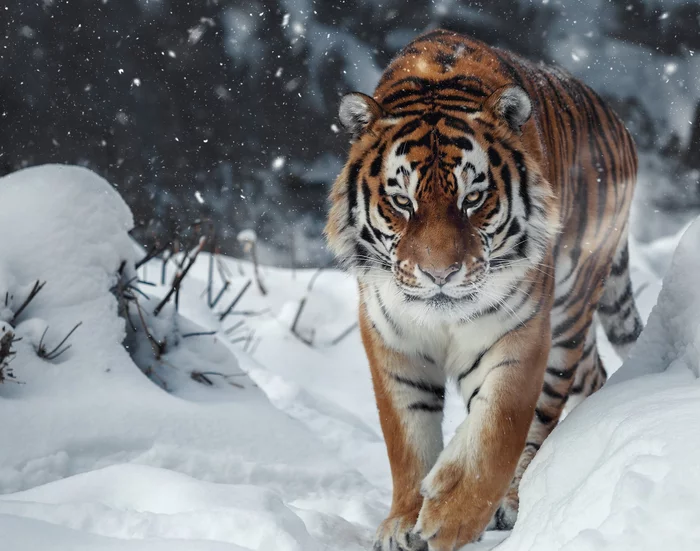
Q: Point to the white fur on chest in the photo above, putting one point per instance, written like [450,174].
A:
[452,345]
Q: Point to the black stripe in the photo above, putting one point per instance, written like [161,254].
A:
[353,173]
[542,417]
[376,166]
[460,142]
[457,124]
[366,235]
[406,129]
[386,315]
[474,366]
[523,187]
[576,340]
[469,403]
[609,309]
[625,338]
[621,263]
[436,390]
[562,373]
[534,445]
[422,406]
[548,390]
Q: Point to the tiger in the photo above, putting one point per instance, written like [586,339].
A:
[484,208]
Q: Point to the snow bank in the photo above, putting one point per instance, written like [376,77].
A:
[283,451]
[94,455]
[621,471]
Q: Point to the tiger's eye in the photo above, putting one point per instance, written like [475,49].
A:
[402,201]
[473,197]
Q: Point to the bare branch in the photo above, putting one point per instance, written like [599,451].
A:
[158,347]
[57,351]
[221,293]
[38,286]
[233,328]
[344,334]
[294,330]
[150,255]
[240,294]
[199,334]
[175,287]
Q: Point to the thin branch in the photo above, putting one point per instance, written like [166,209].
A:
[221,293]
[154,252]
[57,351]
[139,291]
[199,334]
[210,274]
[158,347]
[175,287]
[249,340]
[38,286]
[344,334]
[201,378]
[233,327]
[255,345]
[316,275]
[250,312]
[240,294]
[294,330]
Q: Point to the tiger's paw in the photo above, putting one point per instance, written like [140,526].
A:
[506,515]
[450,516]
[396,534]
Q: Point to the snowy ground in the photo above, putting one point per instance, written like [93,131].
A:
[283,452]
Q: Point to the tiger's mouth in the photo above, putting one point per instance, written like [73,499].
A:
[441,299]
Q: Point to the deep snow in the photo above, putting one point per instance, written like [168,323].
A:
[95,455]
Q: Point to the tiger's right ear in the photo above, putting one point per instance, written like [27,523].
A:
[357,111]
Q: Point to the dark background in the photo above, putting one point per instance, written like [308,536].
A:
[226,110]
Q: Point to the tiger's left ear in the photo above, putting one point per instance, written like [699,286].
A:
[357,111]
[511,104]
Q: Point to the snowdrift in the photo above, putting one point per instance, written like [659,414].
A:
[622,470]
[282,451]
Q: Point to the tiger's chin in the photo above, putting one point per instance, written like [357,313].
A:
[440,307]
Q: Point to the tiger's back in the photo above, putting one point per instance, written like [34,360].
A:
[534,259]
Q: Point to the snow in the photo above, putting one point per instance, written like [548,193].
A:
[620,472]
[282,451]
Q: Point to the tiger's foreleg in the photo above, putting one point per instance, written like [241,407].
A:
[410,394]
[473,473]
[573,368]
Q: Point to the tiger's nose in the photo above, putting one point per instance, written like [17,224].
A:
[440,276]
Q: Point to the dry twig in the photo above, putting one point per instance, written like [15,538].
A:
[38,286]
[240,294]
[175,287]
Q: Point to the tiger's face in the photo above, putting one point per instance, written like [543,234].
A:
[444,211]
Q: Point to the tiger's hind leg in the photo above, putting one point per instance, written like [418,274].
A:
[590,376]
[568,367]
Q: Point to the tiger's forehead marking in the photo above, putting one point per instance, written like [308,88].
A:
[430,161]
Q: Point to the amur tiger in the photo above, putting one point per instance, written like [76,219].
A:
[484,208]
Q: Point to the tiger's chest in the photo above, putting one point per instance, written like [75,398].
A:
[450,344]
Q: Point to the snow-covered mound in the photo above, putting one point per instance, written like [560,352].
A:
[622,470]
[94,455]
[278,447]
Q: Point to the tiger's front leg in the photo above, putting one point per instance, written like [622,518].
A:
[472,475]
[410,394]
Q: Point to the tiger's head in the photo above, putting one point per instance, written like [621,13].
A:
[446,210]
